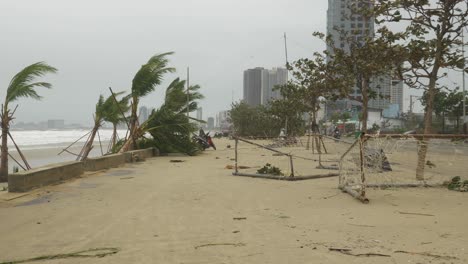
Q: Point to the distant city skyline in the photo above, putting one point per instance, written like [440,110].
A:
[259,84]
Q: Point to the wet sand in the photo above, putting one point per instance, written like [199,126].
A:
[197,212]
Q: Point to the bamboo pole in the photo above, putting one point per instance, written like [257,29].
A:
[418,136]
[363,176]
[236,156]
[100,144]
[73,143]
[261,146]
[292,165]
[19,152]
[283,178]
[354,194]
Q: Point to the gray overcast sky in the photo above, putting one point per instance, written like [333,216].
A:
[97,44]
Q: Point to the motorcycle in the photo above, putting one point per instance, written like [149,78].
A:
[204,140]
[337,134]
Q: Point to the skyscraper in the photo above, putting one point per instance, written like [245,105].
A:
[341,17]
[200,113]
[259,84]
[143,115]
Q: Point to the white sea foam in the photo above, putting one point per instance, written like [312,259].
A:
[38,139]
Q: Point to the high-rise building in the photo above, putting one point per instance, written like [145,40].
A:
[200,113]
[259,84]
[222,120]
[341,17]
[210,123]
[143,114]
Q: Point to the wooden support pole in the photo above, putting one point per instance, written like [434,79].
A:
[354,194]
[261,146]
[292,165]
[100,144]
[19,152]
[363,176]
[236,155]
[19,164]
[69,146]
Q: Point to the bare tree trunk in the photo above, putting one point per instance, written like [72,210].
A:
[4,151]
[423,144]
[365,102]
[89,145]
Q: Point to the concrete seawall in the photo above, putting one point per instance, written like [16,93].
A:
[27,180]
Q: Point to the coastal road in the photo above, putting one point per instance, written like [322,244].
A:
[196,212]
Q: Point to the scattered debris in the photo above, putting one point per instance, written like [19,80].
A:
[347,251]
[228,146]
[278,154]
[217,158]
[361,225]
[426,254]
[177,161]
[239,218]
[221,244]
[231,167]
[271,170]
[430,164]
[407,213]
[127,178]
[90,253]
[236,231]
[457,185]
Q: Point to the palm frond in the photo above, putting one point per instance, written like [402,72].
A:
[22,84]
[150,75]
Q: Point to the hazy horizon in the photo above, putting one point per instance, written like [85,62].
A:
[96,45]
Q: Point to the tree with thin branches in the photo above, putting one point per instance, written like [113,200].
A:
[431,46]
[23,85]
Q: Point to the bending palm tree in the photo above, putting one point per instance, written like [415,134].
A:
[114,114]
[98,119]
[169,126]
[22,85]
[145,81]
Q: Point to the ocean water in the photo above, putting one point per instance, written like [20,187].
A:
[42,148]
[38,139]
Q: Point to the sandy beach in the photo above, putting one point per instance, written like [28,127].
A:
[195,211]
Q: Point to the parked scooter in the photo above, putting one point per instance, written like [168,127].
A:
[337,134]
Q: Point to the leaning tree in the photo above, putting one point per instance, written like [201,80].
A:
[145,81]
[23,85]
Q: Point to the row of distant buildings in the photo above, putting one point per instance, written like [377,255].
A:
[259,83]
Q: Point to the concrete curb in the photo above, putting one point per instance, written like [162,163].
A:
[27,180]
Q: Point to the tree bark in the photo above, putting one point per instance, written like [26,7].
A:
[4,150]
[89,145]
[365,102]
[423,144]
